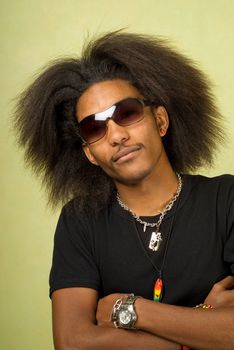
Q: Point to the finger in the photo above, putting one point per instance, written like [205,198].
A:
[229,297]
[227,282]
[224,298]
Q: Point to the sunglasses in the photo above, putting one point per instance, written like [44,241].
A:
[124,113]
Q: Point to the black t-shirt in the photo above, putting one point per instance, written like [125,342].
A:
[110,253]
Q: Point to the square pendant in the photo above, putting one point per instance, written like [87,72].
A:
[155,241]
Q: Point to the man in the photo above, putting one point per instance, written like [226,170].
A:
[140,243]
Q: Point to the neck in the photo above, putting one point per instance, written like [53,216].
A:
[150,197]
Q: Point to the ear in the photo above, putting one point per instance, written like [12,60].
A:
[162,120]
[89,154]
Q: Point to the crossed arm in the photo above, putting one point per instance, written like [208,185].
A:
[75,328]
[161,326]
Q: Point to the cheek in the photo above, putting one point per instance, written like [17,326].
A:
[103,160]
[99,157]
[149,135]
[147,129]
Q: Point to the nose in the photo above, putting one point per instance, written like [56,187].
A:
[116,133]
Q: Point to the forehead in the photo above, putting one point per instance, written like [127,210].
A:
[102,95]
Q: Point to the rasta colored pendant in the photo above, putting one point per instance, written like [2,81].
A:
[158,290]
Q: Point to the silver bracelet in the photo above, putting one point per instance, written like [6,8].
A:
[116,307]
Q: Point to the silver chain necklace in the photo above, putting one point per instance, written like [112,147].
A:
[156,236]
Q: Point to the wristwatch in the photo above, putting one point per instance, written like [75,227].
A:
[124,313]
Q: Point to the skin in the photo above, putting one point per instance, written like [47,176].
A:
[222,293]
[199,329]
[145,181]
[136,174]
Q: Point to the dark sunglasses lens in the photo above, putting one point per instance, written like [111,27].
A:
[92,130]
[128,112]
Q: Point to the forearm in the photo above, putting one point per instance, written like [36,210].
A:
[200,329]
[94,337]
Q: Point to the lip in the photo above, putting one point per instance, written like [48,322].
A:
[124,152]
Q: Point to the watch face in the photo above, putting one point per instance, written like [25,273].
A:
[125,317]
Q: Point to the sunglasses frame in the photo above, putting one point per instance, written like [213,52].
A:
[144,103]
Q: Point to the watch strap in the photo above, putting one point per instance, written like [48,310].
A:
[130,299]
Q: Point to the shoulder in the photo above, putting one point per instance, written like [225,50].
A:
[219,189]
[222,182]
[81,221]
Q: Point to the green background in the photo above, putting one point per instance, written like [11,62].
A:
[34,32]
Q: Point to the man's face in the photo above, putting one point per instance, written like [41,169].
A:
[128,154]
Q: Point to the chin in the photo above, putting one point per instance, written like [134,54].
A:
[131,179]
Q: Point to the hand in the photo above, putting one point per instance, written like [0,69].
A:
[104,309]
[222,293]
